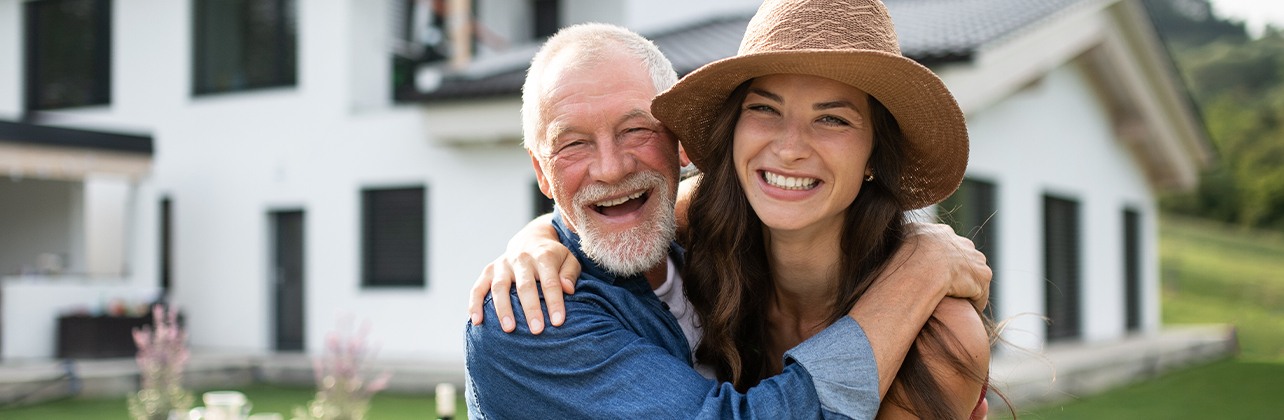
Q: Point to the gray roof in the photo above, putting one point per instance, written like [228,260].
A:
[930,31]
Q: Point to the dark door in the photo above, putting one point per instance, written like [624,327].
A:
[287,278]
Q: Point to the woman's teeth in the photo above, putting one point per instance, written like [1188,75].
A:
[788,182]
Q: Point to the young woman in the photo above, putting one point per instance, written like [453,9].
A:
[813,142]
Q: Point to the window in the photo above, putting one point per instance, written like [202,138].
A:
[546,18]
[243,44]
[166,244]
[1132,269]
[1061,267]
[68,53]
[973,212]
[423,37]
[392,237]
[542,204]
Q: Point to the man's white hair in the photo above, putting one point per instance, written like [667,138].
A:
[591,43]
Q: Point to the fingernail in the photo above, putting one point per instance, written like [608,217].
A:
[476,317]
[557,318]
[507,323]
[537,325]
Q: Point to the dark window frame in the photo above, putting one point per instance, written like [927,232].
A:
[1132,276]
[1063,267]
[546,18]
[284,70]
[166,243]
[406,63]
[540,203]
[375,243]
[37,76]
[973,212]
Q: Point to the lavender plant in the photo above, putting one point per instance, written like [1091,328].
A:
[342,393]
[162,354]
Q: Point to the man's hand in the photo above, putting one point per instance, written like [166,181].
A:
[935,251]
[534,260]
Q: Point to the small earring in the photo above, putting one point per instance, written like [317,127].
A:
[869,177]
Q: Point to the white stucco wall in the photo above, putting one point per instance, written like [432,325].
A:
[228,160]
[1054,137]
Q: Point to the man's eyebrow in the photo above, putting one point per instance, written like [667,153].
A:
[555,130]
[636,113]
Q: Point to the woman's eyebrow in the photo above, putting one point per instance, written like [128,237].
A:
[766,94]
[835,104]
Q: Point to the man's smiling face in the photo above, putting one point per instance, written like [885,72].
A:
[610,166]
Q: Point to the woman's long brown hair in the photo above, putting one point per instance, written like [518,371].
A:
[728,279]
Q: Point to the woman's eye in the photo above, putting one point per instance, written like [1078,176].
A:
[760,108]
[832,120]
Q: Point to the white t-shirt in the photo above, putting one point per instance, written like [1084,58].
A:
[670,292]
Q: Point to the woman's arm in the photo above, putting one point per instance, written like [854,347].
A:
[933,264]
[964,339]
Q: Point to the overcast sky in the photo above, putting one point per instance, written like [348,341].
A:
[1256,13]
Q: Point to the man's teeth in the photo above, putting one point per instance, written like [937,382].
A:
[619,201]
[788,182]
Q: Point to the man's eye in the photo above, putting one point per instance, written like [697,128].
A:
[571,145]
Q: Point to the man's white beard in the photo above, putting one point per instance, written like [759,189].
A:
[639,248]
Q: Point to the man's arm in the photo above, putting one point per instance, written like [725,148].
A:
[900,301]
[599,366]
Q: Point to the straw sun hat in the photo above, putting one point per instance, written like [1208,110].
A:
[850,41]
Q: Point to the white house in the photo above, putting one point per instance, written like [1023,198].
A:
[289,163]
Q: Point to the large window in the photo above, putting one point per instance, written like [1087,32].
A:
[973,212]
[1061,267]
[68,53]
[243,44]
[1132,269]
[392,240]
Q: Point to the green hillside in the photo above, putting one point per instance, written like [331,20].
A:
[1211,273]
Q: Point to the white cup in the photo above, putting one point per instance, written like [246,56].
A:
[225,405]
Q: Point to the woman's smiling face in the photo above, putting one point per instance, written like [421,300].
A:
[801,149]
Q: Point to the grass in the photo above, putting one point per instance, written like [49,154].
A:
[1211,273]
[265,399]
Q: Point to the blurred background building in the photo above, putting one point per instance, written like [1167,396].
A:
[272,165]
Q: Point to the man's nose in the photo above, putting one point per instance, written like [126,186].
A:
[614,163]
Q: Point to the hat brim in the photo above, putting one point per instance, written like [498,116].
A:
[936,152]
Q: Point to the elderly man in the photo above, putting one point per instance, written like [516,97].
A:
[613,171]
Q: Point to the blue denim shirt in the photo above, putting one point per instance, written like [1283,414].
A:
[621,354]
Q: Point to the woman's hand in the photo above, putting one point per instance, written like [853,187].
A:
[535,260]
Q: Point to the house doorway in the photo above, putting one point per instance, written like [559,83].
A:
[288,279]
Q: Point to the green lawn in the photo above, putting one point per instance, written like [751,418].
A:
[265,399]
[1211,273]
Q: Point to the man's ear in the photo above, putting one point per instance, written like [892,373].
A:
[539,176]
[683,160]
